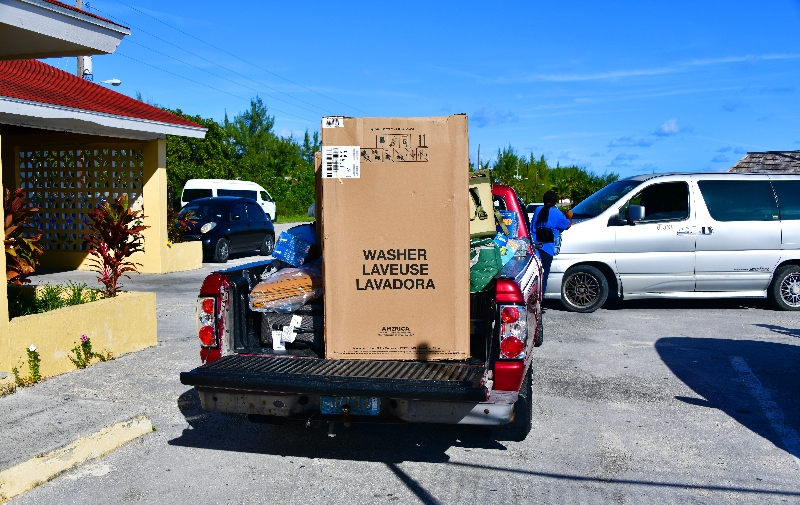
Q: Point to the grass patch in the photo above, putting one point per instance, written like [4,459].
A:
[50,297]
[294,218]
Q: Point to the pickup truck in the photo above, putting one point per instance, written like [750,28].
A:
[241,373]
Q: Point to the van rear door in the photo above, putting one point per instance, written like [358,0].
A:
[739,234]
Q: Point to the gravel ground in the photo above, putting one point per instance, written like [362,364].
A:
[645,401]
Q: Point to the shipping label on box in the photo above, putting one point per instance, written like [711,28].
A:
[341,162]
[395,241]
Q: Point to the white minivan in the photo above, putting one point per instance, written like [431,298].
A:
[695,235]
[204,188]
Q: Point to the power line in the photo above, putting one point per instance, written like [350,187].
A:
[206,85]
[324,111]
[217,75]
[238,57]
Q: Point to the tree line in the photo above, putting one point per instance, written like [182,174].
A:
[248,148]
[531,177]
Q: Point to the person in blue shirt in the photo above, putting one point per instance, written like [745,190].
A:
[548,216]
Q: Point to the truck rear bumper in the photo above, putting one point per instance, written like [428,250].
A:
[435,381]
[299,406]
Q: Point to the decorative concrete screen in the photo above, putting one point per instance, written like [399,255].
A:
[66,183]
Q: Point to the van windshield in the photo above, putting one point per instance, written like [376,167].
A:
[603,199]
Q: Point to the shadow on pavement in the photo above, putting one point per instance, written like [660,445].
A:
[387,443]
[789,332]
[664,304]
[756,383]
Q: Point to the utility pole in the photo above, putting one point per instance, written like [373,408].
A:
[79,5]
[479,156]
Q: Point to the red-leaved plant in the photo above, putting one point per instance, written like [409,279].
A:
[116,235]
[22,253]
[178,225]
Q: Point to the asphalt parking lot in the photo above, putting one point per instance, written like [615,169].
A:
[643,402]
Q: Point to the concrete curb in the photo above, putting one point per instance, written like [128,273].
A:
[39,469]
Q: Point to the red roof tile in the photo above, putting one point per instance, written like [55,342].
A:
[75,9]
[35,81]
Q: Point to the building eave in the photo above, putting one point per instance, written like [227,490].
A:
[39,29]
[59,118]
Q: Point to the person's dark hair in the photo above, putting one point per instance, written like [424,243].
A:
[550,200]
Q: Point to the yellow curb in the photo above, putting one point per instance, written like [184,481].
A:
[38,470]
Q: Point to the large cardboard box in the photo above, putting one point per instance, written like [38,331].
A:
[393,208]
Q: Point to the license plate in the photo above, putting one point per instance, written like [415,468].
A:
[359,405]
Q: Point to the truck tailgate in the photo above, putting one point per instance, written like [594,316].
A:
[441,381]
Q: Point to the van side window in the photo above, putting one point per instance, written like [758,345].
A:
[739,200]
[668,201]
[788,193]
[265,197]
[241,193]
[193,194]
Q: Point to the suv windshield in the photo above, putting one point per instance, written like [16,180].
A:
[603,199]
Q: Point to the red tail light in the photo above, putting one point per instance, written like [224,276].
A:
[509,314]
[513,331]
[207,322]
[512,347]
[206,335]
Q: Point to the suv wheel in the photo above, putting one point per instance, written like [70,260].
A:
[784,292]
[584,289]
[223,251]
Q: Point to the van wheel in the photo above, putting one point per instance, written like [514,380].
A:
[223,251]
[518,430]
[584,289]
[785,289]
[268,245]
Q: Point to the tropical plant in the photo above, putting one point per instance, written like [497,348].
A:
[34,375]
[178,225]
[116,235]
[22,248]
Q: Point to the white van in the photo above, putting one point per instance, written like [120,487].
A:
[699,235]
[204,188]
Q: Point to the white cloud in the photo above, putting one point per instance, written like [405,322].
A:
[720,158]
[724,149]
[732,106]
[623,159]
[670,127]
[631,141]
[485,116]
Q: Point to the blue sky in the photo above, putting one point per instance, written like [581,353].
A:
[625,87]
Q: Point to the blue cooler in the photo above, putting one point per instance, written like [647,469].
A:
[291,249]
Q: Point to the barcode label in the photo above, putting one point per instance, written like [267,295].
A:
[341,162]
[333,122]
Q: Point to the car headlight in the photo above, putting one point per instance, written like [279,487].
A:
[208,227]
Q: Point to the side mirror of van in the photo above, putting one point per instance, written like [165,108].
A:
[635,213]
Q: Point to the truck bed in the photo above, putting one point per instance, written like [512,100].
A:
[441,381]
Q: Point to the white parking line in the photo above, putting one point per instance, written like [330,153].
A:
[790,438]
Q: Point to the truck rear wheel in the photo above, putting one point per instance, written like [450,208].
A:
[518,430]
